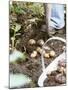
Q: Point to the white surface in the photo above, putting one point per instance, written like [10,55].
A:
[4,36]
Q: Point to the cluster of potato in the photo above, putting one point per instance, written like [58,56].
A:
[62,66]
[47,52]
[61,77]
[58,76]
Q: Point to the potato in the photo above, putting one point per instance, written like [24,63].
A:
[46,55]
[46,48]
[52,53]
[40,42]
[32,42]
[61,69]
[33,54]
[39,50]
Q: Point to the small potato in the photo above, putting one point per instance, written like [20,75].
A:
[61,69]
[40,42]
[39,50]
[52,53]
[46,48]
[33,54]
[46,55]
[32,42]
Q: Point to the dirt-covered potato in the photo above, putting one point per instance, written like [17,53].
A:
[52,53]
[46,48]
[39,50]
[32,42]
[33,54]
[46,55]
[61,69]
[40,42]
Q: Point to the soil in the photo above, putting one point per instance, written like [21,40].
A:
[51,80]
[32,66]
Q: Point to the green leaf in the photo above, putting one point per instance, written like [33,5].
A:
[17,55]
[17,27]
